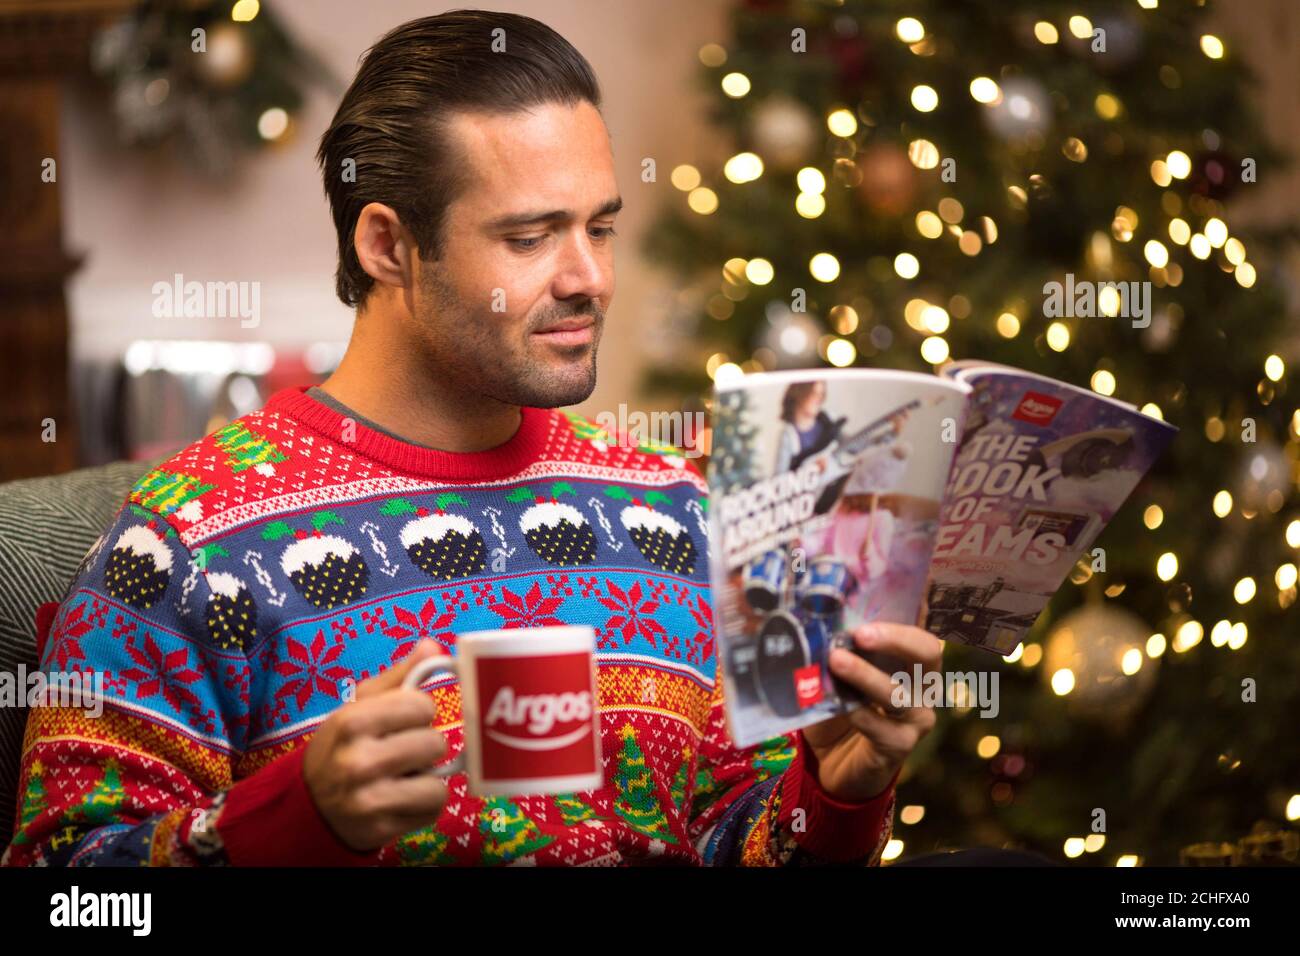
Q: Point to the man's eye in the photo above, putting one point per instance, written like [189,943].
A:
[605,232]
[526,244]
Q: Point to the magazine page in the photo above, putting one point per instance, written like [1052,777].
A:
[1042,468]
[825,493]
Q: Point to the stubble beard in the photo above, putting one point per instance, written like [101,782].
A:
[473,348]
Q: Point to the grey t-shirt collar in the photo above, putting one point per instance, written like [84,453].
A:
[325,398]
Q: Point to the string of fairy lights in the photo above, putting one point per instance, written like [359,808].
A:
[1195,228]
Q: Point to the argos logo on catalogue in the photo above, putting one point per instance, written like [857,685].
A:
[808,685]
[1037,408]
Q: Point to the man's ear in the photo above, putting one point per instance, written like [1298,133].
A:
[385,249]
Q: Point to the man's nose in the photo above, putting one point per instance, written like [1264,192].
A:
[584,270]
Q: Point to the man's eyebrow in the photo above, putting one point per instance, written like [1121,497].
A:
[608,208]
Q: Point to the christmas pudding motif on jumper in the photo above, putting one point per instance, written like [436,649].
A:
[663,539]
[231,613]
[440,544]
[140,564]
[325,569]
[557,533]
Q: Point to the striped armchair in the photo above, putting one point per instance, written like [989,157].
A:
[46,527]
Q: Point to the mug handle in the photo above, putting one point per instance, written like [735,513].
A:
[417,676]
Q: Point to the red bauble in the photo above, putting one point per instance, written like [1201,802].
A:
[889,179]
[1215,174]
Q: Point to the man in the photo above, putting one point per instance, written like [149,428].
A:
[261,596]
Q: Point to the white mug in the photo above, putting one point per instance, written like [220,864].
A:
[528,698]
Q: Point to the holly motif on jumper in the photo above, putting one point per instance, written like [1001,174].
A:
[326,570]
[440,544]
[507,832]
[231,612]
[166,492]
[246,449]
[140,565]
[557,533]
[638,796]
[34,802]
[661,538]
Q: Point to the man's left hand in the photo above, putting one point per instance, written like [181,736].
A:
[858,753]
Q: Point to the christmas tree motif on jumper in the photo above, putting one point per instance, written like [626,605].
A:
[507,833]
[34,801]
[572,810]
[425,847]
[440,544]
[140,564]
[638,799]
[681,780]
[327,570]
[771,758]
[167,492]
[661,538]
[246,449]
[101,805]
[557,533]
[231,613]
[587,431]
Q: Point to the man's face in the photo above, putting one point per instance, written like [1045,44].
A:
[515,307]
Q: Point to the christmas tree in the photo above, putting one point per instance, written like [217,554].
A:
[681,780]
[637,802]
[426,846]
[247,449]
[731,455]
[898,184]
[507,831]
[34,801]
[214,77]
[572,810]
[104,800]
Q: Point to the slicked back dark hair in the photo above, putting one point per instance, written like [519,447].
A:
[393,120]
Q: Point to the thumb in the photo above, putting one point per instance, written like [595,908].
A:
[392,678]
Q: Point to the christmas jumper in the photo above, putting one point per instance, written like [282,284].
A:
[258,575]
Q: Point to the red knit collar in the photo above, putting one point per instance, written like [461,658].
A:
[506,459]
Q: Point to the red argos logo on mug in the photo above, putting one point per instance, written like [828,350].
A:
[1037,408]
[537,718]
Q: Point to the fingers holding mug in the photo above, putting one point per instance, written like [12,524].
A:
[420,672]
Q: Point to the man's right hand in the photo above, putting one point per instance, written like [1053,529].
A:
[362,765]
